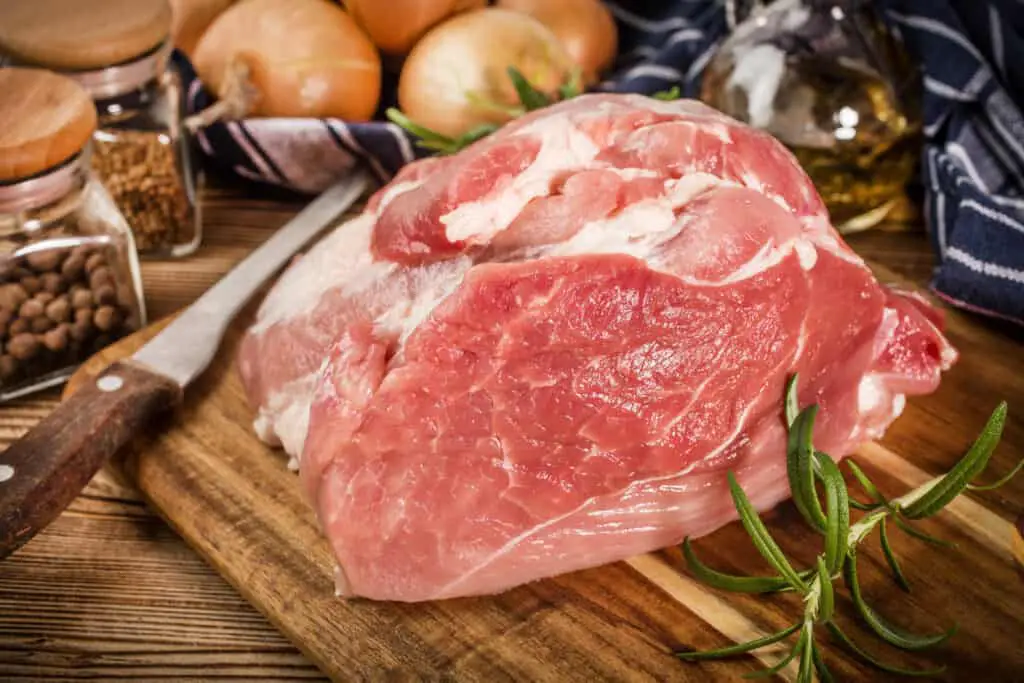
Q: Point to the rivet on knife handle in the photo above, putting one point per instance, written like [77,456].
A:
[41,473]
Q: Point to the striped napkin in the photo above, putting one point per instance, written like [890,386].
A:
[972,56]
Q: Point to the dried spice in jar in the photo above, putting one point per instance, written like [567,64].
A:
[69,279]
[119,52]
[140,171]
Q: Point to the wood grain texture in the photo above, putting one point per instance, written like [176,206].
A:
[63,613]
[43,471]
[45,119]
[72,35]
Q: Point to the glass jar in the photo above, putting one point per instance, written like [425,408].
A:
[69,275]
[829,81]
[119,52]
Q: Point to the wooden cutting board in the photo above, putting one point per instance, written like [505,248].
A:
[235,502]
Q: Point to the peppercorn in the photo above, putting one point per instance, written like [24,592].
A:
[59,310]
[56,340]
[53,283]
[81,297]
[31,309]
[31,284]
[23,347]
[57,305]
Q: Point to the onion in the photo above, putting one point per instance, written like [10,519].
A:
[395,25]
[303,58]
[585,27]
[189,18]
[456,77]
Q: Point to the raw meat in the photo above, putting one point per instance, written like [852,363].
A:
[545,353]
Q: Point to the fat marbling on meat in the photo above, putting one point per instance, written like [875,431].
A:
[545,352]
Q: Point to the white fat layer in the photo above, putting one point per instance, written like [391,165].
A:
[877,406]
[769,256]
[284,418]
[563,147]
[870,394]
[633,173]
[807,253]
[639,229]
[342,257]
[435,284]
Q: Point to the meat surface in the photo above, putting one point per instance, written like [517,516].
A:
[546,352]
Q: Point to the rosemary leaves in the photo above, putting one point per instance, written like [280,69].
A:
[808,467]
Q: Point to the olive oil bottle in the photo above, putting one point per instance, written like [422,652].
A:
[837,88]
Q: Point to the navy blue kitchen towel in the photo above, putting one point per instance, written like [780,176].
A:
[971,53]
[972,56]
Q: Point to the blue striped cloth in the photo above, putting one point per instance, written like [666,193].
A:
[972,56]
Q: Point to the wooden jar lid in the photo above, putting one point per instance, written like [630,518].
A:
[82,34]
[45,119]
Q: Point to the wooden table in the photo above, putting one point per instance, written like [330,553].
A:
[110,592]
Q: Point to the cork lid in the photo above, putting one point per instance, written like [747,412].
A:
[82,34]
[45,119]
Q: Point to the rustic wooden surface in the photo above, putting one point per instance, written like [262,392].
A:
[109,591]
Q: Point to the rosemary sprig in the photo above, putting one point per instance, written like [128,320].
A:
[673,93]
[807,469]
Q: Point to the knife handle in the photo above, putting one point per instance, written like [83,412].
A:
[41,473]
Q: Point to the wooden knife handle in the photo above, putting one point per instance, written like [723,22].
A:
[41,473]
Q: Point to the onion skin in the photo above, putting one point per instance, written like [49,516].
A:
[190,18]
[395,26]
[585,27]
[305,58]
[465,60]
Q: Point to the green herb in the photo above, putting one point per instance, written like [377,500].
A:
[673,93]
[807,468]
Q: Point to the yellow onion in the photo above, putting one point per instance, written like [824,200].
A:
[585,27]
[303,58]
[189,18]
[456,77]
[395,25]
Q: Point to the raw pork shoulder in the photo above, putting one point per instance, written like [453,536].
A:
[544,353]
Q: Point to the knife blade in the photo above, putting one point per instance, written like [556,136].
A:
[43,471]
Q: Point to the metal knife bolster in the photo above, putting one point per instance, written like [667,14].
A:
[41,473]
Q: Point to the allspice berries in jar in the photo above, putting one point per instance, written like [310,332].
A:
[69,277]
[119,52]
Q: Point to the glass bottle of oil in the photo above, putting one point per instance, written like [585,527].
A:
[829,81]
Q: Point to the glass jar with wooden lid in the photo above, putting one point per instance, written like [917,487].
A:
[119,52]
[69,276]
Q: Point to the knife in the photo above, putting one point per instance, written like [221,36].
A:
[41,473]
